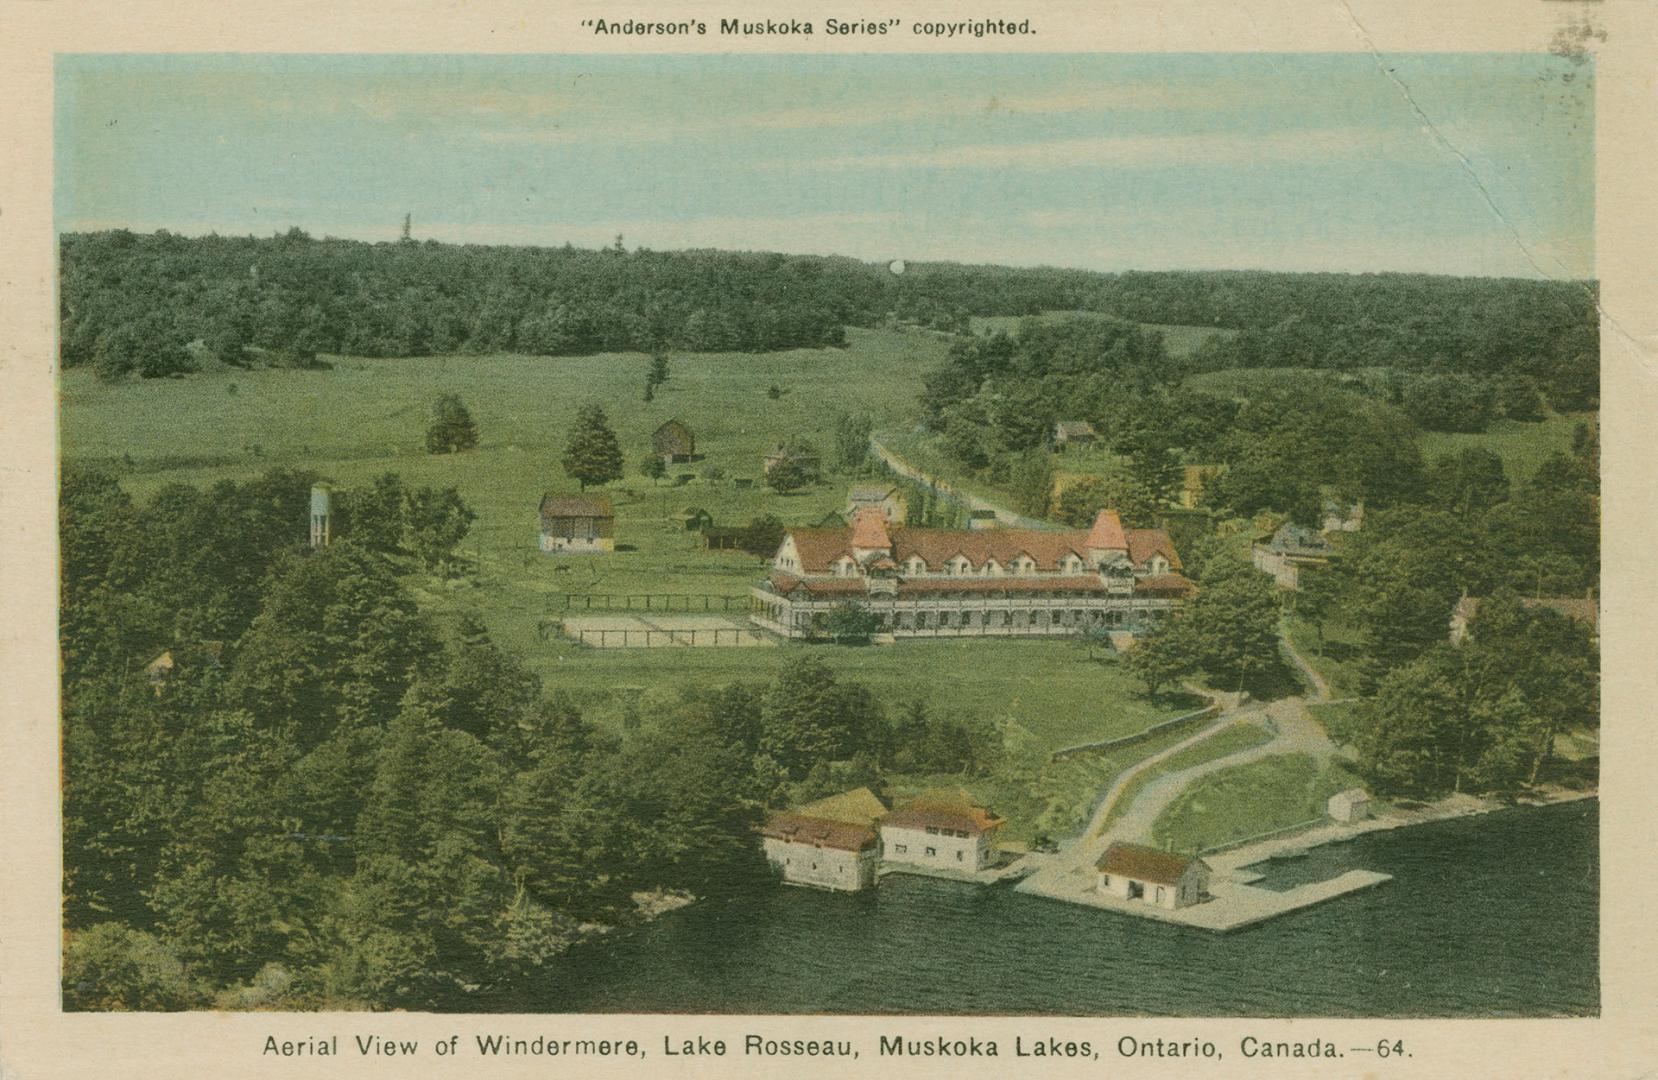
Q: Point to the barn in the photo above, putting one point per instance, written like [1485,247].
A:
[577,524]
[673,442]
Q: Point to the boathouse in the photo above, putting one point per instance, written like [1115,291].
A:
[829,844]
[940,829]
[1152,875]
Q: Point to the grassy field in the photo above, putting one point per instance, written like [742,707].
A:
[1228,740]
[1337,661]
[1521,446]
[1272,793]
[366,417]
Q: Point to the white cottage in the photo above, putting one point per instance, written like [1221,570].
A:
[1350,805]
[829,844]
[940,829]
[1152,875]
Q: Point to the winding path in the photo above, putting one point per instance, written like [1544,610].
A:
[972,502]
[1293,731]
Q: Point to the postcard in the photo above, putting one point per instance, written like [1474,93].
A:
[571,541]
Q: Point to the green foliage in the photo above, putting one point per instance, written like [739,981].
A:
[808,716]
[1162,657]
[1115,488]
[1231,626]
[851,622]
[1482,717]
[593,456]
[652,467]
[111,966]
[1031,480]
[852,440]
[1449,402]
[787,475]
[452,428]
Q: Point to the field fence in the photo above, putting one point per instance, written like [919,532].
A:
[660,602]
[650,638]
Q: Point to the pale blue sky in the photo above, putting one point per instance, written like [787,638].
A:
[1443,163]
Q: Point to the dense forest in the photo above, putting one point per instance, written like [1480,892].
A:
[161,304]
[287,787]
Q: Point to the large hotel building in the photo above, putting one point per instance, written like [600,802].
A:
[971,583]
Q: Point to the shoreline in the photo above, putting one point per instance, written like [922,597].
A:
[1236,899]
[1447,809]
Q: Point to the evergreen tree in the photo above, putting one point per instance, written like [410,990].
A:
[593,456]
[451,429]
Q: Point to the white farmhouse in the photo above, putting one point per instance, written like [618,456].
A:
[830,844]
[1161,878]
[941,830]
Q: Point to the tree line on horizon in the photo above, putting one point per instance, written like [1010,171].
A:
[163,304]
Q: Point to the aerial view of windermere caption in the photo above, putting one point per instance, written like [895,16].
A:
[507,570]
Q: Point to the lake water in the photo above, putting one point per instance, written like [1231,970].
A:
[1495,915]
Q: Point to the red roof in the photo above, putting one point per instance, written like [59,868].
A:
[819,548]
[1172,584]
[1144,543]
[817,831]
[869,530]
[944,809]
[1107,533]
[1144,863]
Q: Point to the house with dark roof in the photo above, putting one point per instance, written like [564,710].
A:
[940,829]
[673,442]
[1069,433]
[805,458]
[1153,876]
[886,498]
[577,525]
[829,844]
[1291,549]
[973,582]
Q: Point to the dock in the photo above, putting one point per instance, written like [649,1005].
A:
[1235,901]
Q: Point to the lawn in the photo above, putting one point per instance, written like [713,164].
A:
[1522,446]
[1229,740]
[1246,800]
[1045,798]
[1338,658]
[366,417]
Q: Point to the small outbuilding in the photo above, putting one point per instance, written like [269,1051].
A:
[577,525]
[1068,433]
[1152,875]
[673,442]
[883,497]
[804,457]
[978,520]
[696,519]
[829,844]
[1350,805]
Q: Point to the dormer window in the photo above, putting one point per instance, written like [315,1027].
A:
[845,567]
[1024,564]
[1073,565]
[992,568]
[915,566]
[960,565]
[1158,564]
